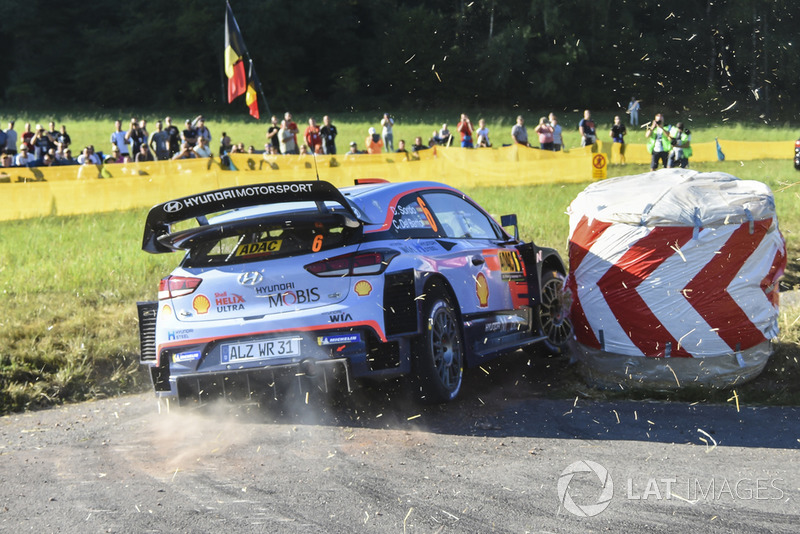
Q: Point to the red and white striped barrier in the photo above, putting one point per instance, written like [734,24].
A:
[674,278]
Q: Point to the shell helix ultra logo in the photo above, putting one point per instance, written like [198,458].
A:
[566,479]
[201,304]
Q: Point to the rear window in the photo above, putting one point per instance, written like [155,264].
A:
[268,242]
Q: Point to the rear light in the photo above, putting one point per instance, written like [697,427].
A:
[177,286]
[355,264]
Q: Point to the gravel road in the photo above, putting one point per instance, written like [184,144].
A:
[495,461]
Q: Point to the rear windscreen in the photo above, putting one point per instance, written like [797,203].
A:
[269,242]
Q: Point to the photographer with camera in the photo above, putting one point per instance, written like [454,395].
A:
[659,142]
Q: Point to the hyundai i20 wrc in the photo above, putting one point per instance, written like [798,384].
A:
[304,282]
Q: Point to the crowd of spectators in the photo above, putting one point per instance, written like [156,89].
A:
[47,147]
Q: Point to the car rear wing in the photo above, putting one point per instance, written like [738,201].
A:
[162,216]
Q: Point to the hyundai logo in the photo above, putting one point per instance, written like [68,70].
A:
[250,279]
[173,207]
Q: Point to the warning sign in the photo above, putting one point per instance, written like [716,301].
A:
[599,167]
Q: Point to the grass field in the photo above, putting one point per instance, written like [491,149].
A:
[70,284]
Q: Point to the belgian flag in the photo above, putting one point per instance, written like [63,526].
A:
[234,57]
[251,96]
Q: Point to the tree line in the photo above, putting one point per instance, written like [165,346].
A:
[732,57]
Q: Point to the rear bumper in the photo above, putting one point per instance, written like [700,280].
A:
[258,384]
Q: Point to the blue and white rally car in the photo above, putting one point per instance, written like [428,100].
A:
[304,281]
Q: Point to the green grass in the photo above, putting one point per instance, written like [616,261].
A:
[70,284]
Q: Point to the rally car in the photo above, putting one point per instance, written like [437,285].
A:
[304,282]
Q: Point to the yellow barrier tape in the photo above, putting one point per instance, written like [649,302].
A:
[67,190]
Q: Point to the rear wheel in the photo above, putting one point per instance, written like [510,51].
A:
[553,313]
[439,353]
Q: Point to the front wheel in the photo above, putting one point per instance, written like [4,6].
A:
[439,354]
[553,316]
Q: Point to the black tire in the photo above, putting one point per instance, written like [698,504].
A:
[553,314]
[438,353]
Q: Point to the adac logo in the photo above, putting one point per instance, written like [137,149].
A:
[201,304]
[173,207]
[482,290]
[363,288]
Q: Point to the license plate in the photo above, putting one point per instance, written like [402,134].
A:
[261,350]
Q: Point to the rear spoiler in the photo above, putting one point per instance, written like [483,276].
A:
[163,215]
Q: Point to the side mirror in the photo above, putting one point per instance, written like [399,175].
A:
[510,220]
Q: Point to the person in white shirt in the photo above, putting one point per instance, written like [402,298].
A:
[24,159]
[201,149]
[119,138]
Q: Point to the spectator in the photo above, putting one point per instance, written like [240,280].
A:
[67,158]
[27,135]
[137,135]
[417,146]
[189,134]
[251,149]
[681,147]
[62,138]
[586,129]
[328,133]
[24,158]
[313,137]
[558,140]
[374,143]
[159,142]
[287,139]
[658,142]
[386,132]
[633,110]
[11,139]
[40,142]
[185,152]
[52,134]
[443,135]
[464,128]
[225,144]
[48,160]
[6,160]
[202,149]
[519,133]
[115,157]
[618,133]
[199,124]
[482,135]
[144,154]
[401,148]
[272,134]
[2,141]
[174,137]
[120,138]
[304,151]
[545,132]
[88,156]
[292,127]
[354,149]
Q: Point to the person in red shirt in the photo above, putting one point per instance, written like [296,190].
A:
[465,129]
[313,137]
